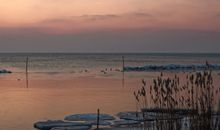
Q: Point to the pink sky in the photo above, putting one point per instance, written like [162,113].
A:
[72,16]
[110,26]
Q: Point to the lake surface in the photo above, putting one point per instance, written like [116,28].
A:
[65,83]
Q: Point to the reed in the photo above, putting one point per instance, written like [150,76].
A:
[190,105]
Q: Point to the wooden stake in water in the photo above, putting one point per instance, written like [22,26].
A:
[123,75]
[123,63]
[98,113]
[27,72]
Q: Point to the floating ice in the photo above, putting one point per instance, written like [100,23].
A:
[173,67]
[130,115]
[72,128]
[88,117]
[4,71]
[103,123]
[125,123]
[47,125]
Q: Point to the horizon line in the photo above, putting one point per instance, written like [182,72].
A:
[54,52]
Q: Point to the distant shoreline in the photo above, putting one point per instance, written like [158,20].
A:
[119,53]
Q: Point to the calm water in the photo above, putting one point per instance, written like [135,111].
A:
[67,62]
[62,84]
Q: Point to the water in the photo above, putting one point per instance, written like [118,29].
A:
[67,62]
[59,85]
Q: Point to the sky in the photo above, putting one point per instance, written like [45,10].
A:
[110,26]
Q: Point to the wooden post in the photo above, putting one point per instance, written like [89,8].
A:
[98,112]
[26,65]
[27,72]
[123,63]
[123,75]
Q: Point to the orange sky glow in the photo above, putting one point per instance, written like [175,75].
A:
[72,16]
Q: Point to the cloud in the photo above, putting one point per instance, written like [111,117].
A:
[57,20]
[141,14]
[98,17]
[114,16]
[130,21]
[97,21]
[128,41]
[22,31]
[72,19]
